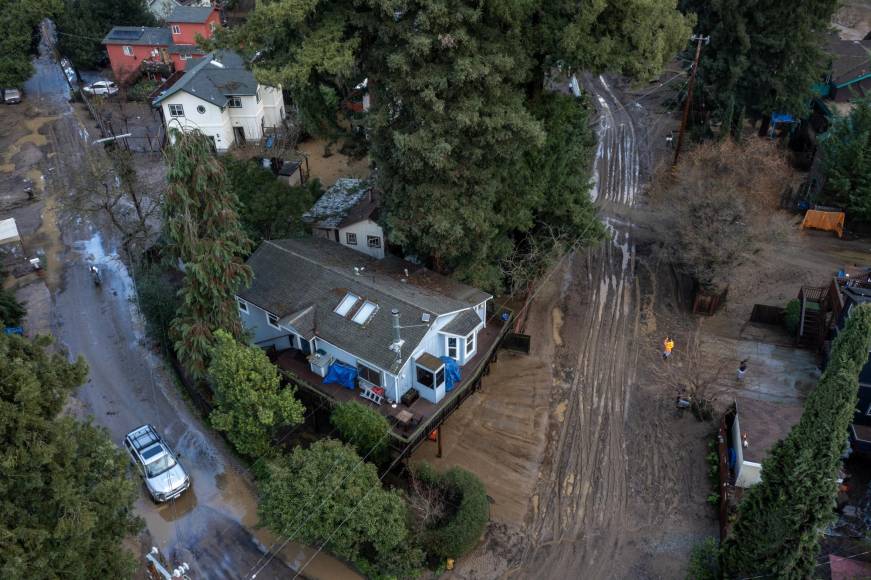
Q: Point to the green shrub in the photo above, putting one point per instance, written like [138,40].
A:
[158,299]
[141,90]
[363,428]
[11,310]
[467,514]
[705,561]
[792,316]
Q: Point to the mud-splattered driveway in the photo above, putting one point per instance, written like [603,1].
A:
[212,526]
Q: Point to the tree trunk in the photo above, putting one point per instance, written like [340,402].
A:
[764,125]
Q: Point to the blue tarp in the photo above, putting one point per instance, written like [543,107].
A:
[782,118]
[452,372]
[13,330]
[342,375]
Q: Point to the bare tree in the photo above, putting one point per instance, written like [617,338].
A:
[719,205]
[426,502]
[109,185]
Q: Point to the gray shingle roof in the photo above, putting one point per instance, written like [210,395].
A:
[464,323]
[850,59]
[139,36]
[293,275]
[189,14]
[214,78]
[330,209]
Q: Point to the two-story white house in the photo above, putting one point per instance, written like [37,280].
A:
[347,213]
[218,96]
[394,326]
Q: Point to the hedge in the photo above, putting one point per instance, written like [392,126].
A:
[467,496]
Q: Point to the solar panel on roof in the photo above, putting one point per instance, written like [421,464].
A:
[125,34]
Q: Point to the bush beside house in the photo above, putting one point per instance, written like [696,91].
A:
[465,511]
[363,428]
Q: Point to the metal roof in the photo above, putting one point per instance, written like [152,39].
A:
[214,78]
[291,276]
[189,14]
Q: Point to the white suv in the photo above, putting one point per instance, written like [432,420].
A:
[164,476]
[101,88]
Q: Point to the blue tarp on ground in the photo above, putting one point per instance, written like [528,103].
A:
[342,375]
[452,372]
[782,118]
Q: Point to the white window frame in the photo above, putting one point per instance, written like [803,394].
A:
[269,320]
[243,306]
[456,347]
[350,239]
[179,110]
[232,100]
[176,29]
[183,56]
[868,412]
[128,50]
[470,351]
[371,369]
[375,239]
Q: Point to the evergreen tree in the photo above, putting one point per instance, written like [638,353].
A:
[65,499]
[202,224]
[846,149]
[18,22]
[756,67]
[250,402]
[458,118]
[780,520]
[83,24]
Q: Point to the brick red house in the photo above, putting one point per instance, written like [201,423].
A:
[135,49]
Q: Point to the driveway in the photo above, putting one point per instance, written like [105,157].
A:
[211,527]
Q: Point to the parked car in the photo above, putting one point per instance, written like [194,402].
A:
[164,476]
[11,96]
[101,88]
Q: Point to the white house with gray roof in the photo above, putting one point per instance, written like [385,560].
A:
[391,320]
[347,213]
[219,96]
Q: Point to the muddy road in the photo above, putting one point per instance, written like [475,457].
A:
[616,488]
[212,526]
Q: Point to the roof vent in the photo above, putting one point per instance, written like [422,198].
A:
[424,317]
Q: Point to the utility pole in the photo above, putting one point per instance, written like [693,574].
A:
[692,82]
[157,568]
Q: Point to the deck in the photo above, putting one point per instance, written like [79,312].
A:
[427,416]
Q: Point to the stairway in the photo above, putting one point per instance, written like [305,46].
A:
[813,321]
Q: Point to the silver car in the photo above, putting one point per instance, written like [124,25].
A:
[164,476]
[106,88]
[11,96]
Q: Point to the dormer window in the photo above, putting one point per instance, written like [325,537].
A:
[346,304]
[365,313]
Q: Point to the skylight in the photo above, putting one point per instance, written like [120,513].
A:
[346,304]
[365,313]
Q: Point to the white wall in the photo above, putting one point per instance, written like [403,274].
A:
[213,122]
[388,381]
[747,473]
[219,123]
[363,229]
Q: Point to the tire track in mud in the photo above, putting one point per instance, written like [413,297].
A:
[583,493]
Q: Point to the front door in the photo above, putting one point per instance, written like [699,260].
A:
[306,346]
[239,135]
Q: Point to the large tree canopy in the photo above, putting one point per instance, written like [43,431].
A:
[756,67]
[459,119]
[18,20]
[847,161]
[65,500]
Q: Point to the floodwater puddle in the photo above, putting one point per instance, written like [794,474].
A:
[33,136]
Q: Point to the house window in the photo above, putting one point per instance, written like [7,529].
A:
[426,377]
[176,29]
[351,239]
[201,110]
[369,375]
[373,241]
[869,410]
[185,56]
[128,51]
[176,111]
[452,348]
[272,320]
[257,94]
[346,304]
[365,313]
[470,344]
[243,306]
[235,102]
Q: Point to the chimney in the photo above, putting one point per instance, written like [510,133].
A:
[397,338]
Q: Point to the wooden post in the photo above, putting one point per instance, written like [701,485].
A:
[439,439]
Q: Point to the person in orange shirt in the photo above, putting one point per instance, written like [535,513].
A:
[667,347]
